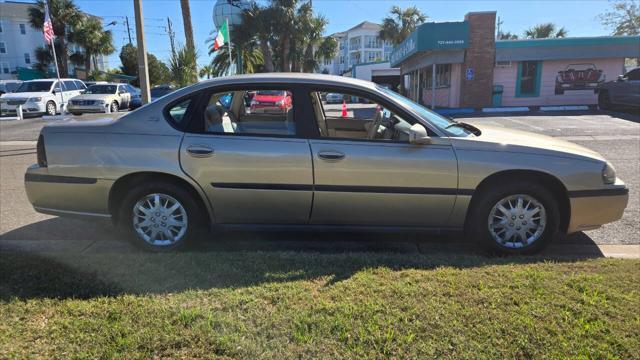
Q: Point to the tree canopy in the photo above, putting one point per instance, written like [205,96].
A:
[158,71]
[401,23]
[623,18]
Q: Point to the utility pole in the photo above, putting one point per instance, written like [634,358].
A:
[172,36]
[499,24]
[128,28]
[143,66]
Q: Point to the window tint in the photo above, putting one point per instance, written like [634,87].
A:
[348,116]
[69,85]
[633,74]
[251,112]
[79,84]
[177,112]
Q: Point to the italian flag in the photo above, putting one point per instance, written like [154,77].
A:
[222,37]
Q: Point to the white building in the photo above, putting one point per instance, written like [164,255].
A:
[358,45]
[19,41]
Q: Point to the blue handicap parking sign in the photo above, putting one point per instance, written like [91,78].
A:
[470,74]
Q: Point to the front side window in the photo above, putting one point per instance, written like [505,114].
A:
[69,85]
[348,116]
[528,82]
[250,112]
[79,84]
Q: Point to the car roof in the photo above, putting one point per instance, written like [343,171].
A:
[297,78]
[63,79]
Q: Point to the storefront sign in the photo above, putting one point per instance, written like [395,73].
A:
[432,37]
[470,74]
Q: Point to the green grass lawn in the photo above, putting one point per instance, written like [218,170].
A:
[313,305]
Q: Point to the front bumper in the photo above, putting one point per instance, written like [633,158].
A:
[27,108]
[591,209]
[87,108]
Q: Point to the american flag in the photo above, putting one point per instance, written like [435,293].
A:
[48,26]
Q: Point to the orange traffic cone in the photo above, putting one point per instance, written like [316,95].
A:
[344,108]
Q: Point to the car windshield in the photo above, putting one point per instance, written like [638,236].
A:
[158,92]
[446,125]
[101,89]
[35,86]
[271,92]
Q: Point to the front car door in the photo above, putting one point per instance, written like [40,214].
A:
[249,160]
[367,173]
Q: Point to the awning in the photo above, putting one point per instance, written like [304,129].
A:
[568,48]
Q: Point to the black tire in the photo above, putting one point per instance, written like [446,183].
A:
[77,114]
[50,108]
[115,107]
[190,205]
[477,226]
[604,101]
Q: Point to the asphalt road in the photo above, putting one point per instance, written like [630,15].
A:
[615,135]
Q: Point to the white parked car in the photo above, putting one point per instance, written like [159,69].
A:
[42,96]
[109,97]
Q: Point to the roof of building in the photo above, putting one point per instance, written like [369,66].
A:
[367,25]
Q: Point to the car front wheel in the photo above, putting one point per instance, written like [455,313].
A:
[160,216]
[51,108]
[604,101]
[114,107]
[514,219]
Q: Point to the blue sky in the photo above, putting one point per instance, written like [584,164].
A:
[579,17]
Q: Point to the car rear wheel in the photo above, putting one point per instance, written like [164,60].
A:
[160,216]
[51,108]
[114,107]
[516,219]
[604,101]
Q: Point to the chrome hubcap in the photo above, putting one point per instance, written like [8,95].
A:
[51,109]
[159,219]
[517,221]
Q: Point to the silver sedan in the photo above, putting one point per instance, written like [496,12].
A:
[200,158]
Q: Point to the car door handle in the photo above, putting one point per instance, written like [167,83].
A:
[200,151]
[331,155]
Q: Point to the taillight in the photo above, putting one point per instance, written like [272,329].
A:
[41,153]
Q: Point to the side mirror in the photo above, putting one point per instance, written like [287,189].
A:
[621,78]
[53,91]
[418,135]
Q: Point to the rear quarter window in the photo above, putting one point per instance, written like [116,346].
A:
[177,113]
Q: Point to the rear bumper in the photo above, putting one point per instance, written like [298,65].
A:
[591,209]
[67,195]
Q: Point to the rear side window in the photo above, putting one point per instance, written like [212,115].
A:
[177,112]
[250,112]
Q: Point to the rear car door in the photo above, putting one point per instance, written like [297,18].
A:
[367,173]
[251,164]
[125,96]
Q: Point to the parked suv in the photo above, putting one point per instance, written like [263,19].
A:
[625,91]
[42,96]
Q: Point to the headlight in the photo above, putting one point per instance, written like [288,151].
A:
[35,99]
[608,174]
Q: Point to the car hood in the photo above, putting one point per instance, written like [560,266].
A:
[523,141]
[23,95]
[92,97]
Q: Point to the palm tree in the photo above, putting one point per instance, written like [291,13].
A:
[546,30]
[188,31]
[206,71]
[401,23]
[262,21]
[64,14]
[285,13]
[311,46]
[252,58]
[94,40]
[182,65]
[507,36]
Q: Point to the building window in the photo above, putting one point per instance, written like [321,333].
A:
[327,62]
[371,56]
[443,76]
[528,81]
[3,48]
[1,28]
[354,43]
[372,41]
[354,58]
[5,67]
[27,58]
[23,29]
[341,60]
[342,44]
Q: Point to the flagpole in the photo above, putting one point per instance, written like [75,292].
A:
[55,58]
[229,33]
